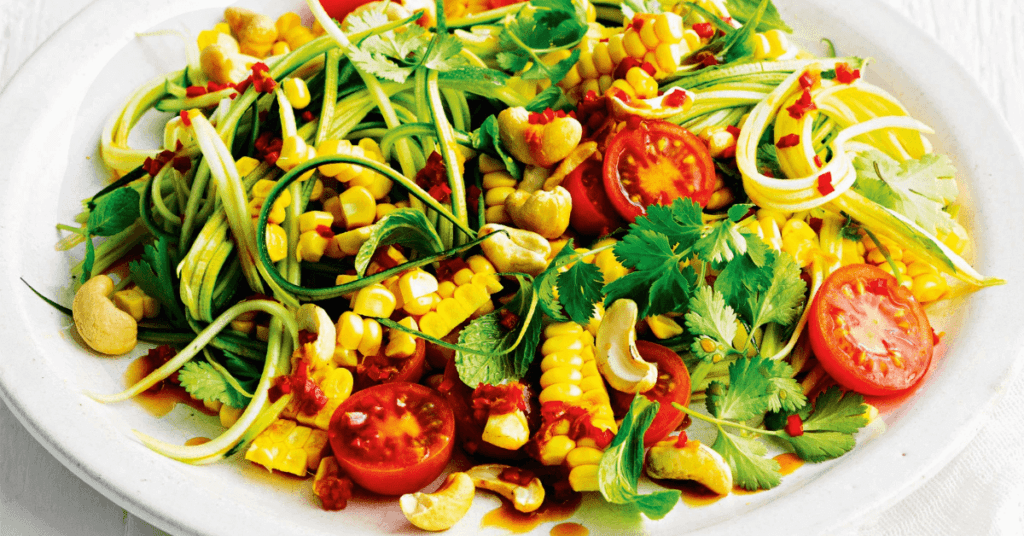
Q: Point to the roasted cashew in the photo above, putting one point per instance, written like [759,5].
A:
[524,498]
[616,355]
[538,144]
[312,318]
[545,212]
[515,250]
[693,461]
[256,32]
[442,509]
[103,326]
[224,64]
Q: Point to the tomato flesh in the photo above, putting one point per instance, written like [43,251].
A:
[654,164]
[379,368]
[868,332]
[393,438]
[337,9]
[592,212]
[673,386]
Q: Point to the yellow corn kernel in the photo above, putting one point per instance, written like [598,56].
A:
[762,49]
[288,447]
[400,343]
[563,329]
[358,207]
[416,284]
[692,40]
[887,268]
[245,165]
[296,36]
[928,287]
[664,327]
[349,329]
[277,242]
[584,478]
[586,65]
[342,171]
[633,45]
[261,190]
[344,357]
[642,83]
[280,48]
[666,57]
[561,343]
[875,256]
[370,343]
[294,151]
[508,430]
[378,185]
[350,241]
[561,359]
[446,289]
[287,21]
[497,214]
[229,415]
[917,268]
[463,276]
[489,164]
[452,311]
[480,265]
[588,85]
[296,91]
[583,456]
[498,179]
[564,374]
[383,209]
[490,282]
[616,50]
[554,450]
[309,221]
[422,305]
[561,392]
[130,302]
[311,247]
[472,296]
[778,44]
[496,196]
[669,27]
[602,59]
[375,301]
[649,34]
[610,267]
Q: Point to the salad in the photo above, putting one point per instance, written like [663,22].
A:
[550,235]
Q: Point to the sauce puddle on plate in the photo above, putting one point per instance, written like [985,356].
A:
[508,518]
[160,399]
[569,529]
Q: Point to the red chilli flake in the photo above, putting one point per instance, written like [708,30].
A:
[517,476]
[707,59]
[649,68]
[185,119]
[803,105]
[845,75]
[817,161]
[182,164]
[502,399]
[325,232]
[674,99]
[794,426]
[787,141]
[308,116]
[195,91]
[825,183]
[638,23]
[508,320]
[681,440]
[808,80]
[308,395]
[734,130]
[704,29]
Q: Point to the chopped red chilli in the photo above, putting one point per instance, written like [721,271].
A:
[845,75]
[333,491]
[794,425]
[182,164]
[195,91]
[787,141]
[325,232]
[674,99]
[508,320]
[704,29]
[307,394]
[803,105]
[817,161]
[498,399]
[681,440]
[825,183]
[808,80]
[185,119]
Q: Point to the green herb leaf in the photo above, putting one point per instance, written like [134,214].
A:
[579,289]
[739,44]
[405,227]
[918,188]
[114,212]
[505,354]
[549,98]
[154,273]
[538,27]
[710,317]
[828,432]
[786,392]
[486,138]
[745,10]
[623,462]
[747,395]
[546,283]
[745,456]
[739,212]
[204,382]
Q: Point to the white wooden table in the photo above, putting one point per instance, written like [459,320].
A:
[980,492]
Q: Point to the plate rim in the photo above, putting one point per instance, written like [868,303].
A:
[80,27]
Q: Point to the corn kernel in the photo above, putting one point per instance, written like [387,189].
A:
[586,65]
[778,44]
[463,276]
[378,185]
[452,312]
[383,209]
[666,57]
[416,284]
[489,164]
[280,48]
[471,296]
[929,287]
[496,196]
[554,450]
[358,207]
[624,87]
[603,59]
[277,242]
[557,375]
[350,330]
[584,478]
[616,50]
[246,165]
[374,301]
[309,221]
[342,171]
[669,27]
[400,343]
[287,21]
[435,325]
[311,247]
[664,327]
[762,48]
[370,343]
[344,357]
[480,265]
[296,91]
[692,40]
[642,83]
[351,241]
[297,36]
[446,289]
[583,456]
[497,214]
[588,85]
[633,45]
[649,35]
[422,305]
[294,151]
[498,179]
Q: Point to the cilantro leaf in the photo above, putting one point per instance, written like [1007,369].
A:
[546,283]
[780,302]
[549,98]
[747,395]
[579,289]
[745,456]
[444,54]
[154,273]
[623,462]
[534,30]
[506,353]
[681,222]
[786,393]
[723,242]
[744,10]
[405,226]
[739,43]
[709,316]
[828,432]
[379,65]
[918,188]
[671,292]
[204,382]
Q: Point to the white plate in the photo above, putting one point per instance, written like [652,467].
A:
[53,110]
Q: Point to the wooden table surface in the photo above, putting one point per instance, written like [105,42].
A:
[981,490]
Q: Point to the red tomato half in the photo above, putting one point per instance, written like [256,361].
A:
[337,9]
[673,386]
[379,368]
[393,438]
[592,212]
[654,164]
[869,333]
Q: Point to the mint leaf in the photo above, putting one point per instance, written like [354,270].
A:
[405,227]
[505,354]
[623,462]
[745,456]
[114,212]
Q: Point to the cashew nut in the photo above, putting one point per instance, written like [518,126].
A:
[443,508]
[617,357]
[672,103]
[524,498]
[534,178]
[256,32]
[693,461]
[103,326]
[224,64]
[312,318]
[516,250]
[545,212]
[538,144]
[507,430]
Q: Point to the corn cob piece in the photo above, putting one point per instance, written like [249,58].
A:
[923,280]
[570,381]
[497,185]
[336,384]
[288,447]
[466,294]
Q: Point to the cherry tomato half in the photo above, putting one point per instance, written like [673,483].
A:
[868,332]
[592,212]
[337,9]
[379,368]
[393,438]
[655,163]
[673,386]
